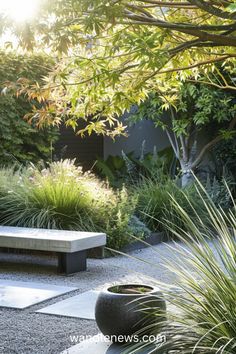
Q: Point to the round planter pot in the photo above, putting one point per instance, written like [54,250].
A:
[119,312]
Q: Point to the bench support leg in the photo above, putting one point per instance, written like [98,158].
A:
[70,263]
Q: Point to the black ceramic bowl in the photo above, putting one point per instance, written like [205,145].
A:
[125,314]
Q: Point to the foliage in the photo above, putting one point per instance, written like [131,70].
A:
[154,201]
[9,178]
[115,218]
[153,165]
[138,228]
[218,193]
[62,197]
[202,317]
[121,51]
[197,107]
[154,205]
[113,169]
[207,296]
[225,154]
[21,142]
[128,169]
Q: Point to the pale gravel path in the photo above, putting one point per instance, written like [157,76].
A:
[27,332]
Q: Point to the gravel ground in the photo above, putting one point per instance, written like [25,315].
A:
[27,332]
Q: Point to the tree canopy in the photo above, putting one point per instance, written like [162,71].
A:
[114,53]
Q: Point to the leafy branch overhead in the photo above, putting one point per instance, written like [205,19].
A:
[112,54]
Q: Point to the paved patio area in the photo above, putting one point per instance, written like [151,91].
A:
[29,332]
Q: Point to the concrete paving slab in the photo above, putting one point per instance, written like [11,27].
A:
[91,346]
[19,294]
[100,345]
[80,306]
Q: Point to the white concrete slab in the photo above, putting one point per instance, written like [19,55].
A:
[18,294]
[80,306]
[49,240]
[93,346]
[100,345]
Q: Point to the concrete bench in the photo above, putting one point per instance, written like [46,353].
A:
[71,246]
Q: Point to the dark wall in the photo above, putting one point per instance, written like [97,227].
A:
[86,150]
[138,133]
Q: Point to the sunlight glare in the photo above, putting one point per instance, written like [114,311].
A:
[19,10]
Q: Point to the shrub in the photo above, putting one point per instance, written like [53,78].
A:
[154,205]
[62,197]
[20,141]
[115,213]
[225,155]
[154,201]
[127,169]
[218,193]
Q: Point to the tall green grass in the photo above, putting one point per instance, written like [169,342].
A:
[154,203]
[62,197]
[202,318]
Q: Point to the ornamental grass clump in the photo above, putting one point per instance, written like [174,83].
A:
[63,197]
[154,202]
[50,198]
[202,303]
[207,282]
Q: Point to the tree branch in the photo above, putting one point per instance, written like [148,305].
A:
[222,87]
[211,61]
[177,4]
[184,148]
[177,26]
[174,147]
[203,5]
[198,31]
[196,43]
[201,63]
[140,9]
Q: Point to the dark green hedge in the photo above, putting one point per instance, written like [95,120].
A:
[20,141]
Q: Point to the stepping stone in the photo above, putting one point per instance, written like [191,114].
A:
[100,345]
[18,294]
[89,347]
[80,306]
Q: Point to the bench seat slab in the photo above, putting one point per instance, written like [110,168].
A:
[50,240]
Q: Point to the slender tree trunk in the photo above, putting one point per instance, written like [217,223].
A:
[185,153]
[189,152]
[187,175]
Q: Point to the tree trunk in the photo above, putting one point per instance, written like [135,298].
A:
[187,176]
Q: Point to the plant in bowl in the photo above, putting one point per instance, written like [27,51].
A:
[122,310]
